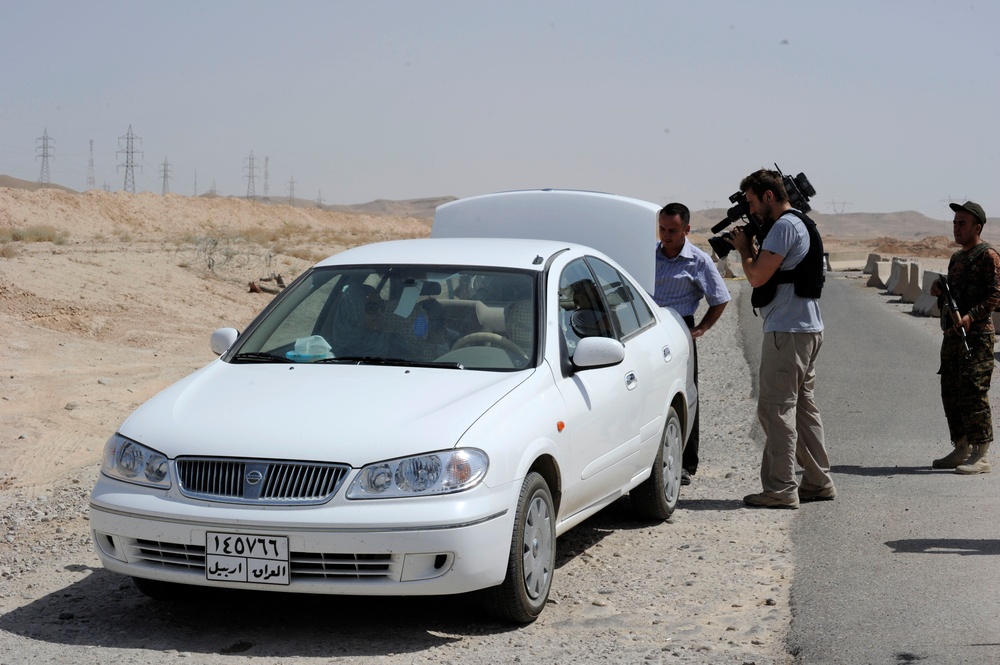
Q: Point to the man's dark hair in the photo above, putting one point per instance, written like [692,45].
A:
[762,181]
[672,209]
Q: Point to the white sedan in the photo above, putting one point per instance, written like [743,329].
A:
[413,417]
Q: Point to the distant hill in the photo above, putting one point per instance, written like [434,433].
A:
[421,208]
[908,224]
[15,183]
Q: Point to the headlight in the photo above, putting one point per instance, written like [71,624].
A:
[434,473]
[127,460]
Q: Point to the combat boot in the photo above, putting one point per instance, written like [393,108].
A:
[977,462]
[955,457]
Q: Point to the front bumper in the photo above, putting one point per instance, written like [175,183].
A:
[415,546]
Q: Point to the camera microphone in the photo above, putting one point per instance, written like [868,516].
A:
[721,225]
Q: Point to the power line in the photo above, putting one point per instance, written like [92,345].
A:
[43,177]
[129,164]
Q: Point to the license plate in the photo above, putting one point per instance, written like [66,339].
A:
[241,557]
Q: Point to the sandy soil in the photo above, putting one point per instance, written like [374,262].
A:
[119,301]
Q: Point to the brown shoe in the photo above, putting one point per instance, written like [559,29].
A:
[821,494]
[762,500]
[977,462]
[956,457]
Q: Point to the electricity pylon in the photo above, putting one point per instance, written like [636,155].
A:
[251,175]
[129,164]
[43,177]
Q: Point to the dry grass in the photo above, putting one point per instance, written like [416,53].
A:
[36,233]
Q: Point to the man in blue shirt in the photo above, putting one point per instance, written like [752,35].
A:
[685,275]
[793,335]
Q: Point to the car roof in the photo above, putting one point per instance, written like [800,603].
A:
[525,254]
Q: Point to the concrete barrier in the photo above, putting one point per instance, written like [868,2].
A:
[926,304]
[880,274]
[726,268]
[873,259]
[913,290]
[846,260]
[899,276]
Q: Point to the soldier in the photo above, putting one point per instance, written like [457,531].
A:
[974,280]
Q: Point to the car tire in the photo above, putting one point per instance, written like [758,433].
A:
[656,498]
[531,563]
[159,590]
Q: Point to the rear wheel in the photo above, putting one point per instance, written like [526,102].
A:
[656,498]
[523,594]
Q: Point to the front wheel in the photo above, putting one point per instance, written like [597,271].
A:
[656,497]
[532,560]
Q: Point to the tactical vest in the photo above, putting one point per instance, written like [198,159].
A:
[807,276]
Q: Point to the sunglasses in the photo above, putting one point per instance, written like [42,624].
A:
[373,307]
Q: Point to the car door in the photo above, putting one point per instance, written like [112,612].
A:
[648,350]
[603,405]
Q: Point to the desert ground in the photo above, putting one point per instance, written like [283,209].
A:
[107,298]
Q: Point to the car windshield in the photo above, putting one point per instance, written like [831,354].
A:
[459,318]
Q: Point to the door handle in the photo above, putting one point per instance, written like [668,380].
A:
[631,381]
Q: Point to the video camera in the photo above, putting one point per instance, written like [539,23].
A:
[799,190]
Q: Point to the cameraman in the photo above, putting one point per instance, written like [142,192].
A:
[793,334]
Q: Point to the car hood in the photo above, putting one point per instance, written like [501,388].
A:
[338,413]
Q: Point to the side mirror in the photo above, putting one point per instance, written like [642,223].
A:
[594,352]
[222,339]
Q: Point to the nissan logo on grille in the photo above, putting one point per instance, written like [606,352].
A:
[254,477]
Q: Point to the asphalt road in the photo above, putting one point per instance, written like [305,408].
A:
[902,567]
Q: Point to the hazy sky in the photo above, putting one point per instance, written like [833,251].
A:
[885,106]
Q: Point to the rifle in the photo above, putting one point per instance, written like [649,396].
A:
[953,309]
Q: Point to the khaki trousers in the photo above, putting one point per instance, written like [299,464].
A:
[787,411]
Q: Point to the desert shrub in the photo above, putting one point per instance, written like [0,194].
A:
[225,255]
[36,233]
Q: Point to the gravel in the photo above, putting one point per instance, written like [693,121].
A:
[710,585]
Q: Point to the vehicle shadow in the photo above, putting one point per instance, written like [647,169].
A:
[106,609]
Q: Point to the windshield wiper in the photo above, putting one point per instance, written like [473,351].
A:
[396,362]
[261,358]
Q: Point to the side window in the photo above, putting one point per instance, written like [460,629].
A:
[628,309]
[643,314]
[582,312]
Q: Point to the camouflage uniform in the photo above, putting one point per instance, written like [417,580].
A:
[974,278]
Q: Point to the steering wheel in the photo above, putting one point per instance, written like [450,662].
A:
[490,339]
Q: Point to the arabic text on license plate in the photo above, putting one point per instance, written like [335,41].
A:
[241,557]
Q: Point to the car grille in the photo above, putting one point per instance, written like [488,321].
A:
[259,482]
[303,565]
